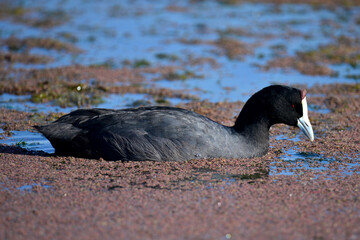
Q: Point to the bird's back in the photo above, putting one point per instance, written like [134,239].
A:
[146,133]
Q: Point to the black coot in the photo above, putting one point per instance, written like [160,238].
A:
[175,134]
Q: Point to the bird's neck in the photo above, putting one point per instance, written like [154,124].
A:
[252,129]
[255,129]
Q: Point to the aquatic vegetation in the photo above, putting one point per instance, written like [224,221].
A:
[155,92]
[110,64]
[82,86]
[69,37]
[314,3]
[7,10]
[344,50]
[171,57]
[15,44]
[172,76]
[11,57]
[68,95]
[235,31]
[17,12]
[47,19]
[353,76]
[21,143]
[141,63]
[303,66]
[233,48]
[60,86]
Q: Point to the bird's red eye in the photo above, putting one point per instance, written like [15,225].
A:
[293,105]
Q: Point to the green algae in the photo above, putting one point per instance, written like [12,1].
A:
[68,95]
[356,77]
[141,63]
[165,56]
[181,75]
[108,64]
[16,12]
[69,37]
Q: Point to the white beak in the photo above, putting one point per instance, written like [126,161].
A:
[304,122]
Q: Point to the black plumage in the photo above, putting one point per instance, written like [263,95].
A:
[173,134]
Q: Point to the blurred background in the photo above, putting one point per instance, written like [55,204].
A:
[62,55]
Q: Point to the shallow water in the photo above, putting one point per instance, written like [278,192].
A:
[295,161]
[303,160]
[134,30]
[32,141]
[114,101]
[28,188]
[24,103]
